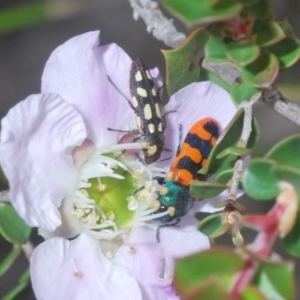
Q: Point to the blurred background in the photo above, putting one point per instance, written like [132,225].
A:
[31,29]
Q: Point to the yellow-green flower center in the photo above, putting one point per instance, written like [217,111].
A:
[114,194]
[110,195]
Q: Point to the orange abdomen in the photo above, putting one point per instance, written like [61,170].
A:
[195,150]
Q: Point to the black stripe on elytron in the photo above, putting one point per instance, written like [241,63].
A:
[212,128]
[196,142]
[145,83]
[186,163]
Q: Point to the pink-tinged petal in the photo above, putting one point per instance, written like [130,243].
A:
[77,269]
[156,76]
[37,139]
[130,154]
[150,293]
[181,241]
[70,225]
[152,262]
[83,152]
[78,70]
[141,257]
[192,103]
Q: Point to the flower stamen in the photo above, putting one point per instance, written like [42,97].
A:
[77,272]
[109,254]
[131,250]
[101,203]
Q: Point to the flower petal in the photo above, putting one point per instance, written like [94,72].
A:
[141,257]
[70,226]
[77,269]
[152,262]
[37,139]
[192,103]
[181,241]
[150,293]
[78,70]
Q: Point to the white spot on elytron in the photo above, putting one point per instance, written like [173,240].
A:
[152,150]
[160,127]
[157,108]
[142,92]
[135,102]
[154,93]
[147,112]
[148,75]
[138,76]
[139,124]
[151,128]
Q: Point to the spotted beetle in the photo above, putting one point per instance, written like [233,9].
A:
[190,159]
[146,104]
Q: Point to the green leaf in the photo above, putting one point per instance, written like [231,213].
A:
[275,279]
[216,30]
[243,92]
[224,176]
[286,154]
[287,51]
[212,226]
[236,151]
[258,181]
[287,28]
[9,259]
[261,280]
[216,79]
[287,151]
[231,138]
[287,174]
[193,271]
[211,290]
[195,12]
[215,49]
[242,53]
[261,10]
[12,226]
[280,275]
[263,71]
[291,241]
[206,189]
[182,63]
[268,34]
[252,293]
